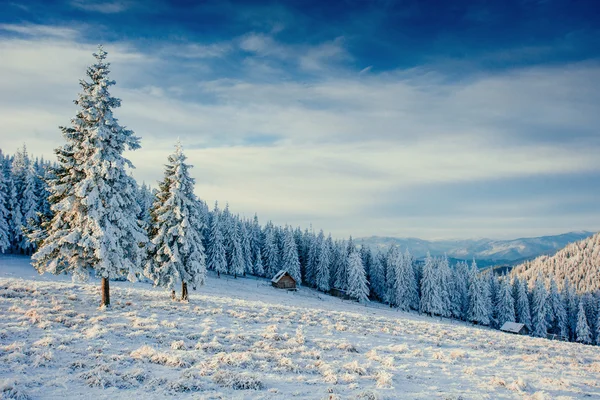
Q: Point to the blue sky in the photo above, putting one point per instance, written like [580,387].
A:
[404,118]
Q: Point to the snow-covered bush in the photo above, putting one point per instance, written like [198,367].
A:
[237,381]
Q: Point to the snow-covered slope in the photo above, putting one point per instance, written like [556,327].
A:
[579,262]
[482,249]
[241,338]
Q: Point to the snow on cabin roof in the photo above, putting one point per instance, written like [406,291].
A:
[278,276]
[513,327]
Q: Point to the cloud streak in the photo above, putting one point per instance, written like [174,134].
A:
[335,148]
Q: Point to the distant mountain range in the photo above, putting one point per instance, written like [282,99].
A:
[485,251]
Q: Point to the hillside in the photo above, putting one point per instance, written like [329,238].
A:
[489,251]
[241,338]
[579,262]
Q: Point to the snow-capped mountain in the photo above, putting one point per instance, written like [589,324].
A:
[579,262]
[500,251]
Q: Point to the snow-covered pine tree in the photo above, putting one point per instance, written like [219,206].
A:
[583,329]
[271,251]
[217,260]
[29,208]
[431,301]
[557,315]
[145,198]
[358,287]
[571,307]
[314,246]
[377,279]
[522,309]
[478,297]
[492,283]
[97,195]
[322,274]
[290,261]
[177,254]
[236,258]
[505,303]
[246,248]
[393,263]
[4,228]
[340,266]
[406,286]
[539,308]
[445,285]
[598,326]
[461,287]
[259,269]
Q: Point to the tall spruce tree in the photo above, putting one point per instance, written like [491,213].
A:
[4,227]
[582,330]
[358,287]
[522,309]
[505,303]
[431,300]
[217,260]
[271,251]
[556,313]
[323,265]
[539,308]
[176,254]
[95,195]
[290,261]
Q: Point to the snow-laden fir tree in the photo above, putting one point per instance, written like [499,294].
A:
[256,239]
[271,251]
[392,262]
[29,208]
[97,196]
[339,274]
[598,326]
[217,260]
[478,297]
[377,278]
[246,248]
[445,285]
[259,269]
[15,221]
[314,246]
[431,301]
[539,308]
[145,199]
[492,283]
[4,228]
[505,303]
[406,284]
[582,331]
[176,254]
[322,274]
[557,315]
[289,260]
[358,287]
[236,256]
[522,308]
[571,307]
[461,288]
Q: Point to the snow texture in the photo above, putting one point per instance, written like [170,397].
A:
[241,338]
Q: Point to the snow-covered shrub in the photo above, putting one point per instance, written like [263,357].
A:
[156,357]
[350,348]
[178,345]
[384,379]
[355,368]
[237,381]
[519,385]
[101,377]
[367,395]
[11,390]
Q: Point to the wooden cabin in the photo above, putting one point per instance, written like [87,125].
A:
[514,327]
[283,280]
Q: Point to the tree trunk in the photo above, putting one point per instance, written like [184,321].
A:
[172,295]
[184,292]
[218,274]
[105,293]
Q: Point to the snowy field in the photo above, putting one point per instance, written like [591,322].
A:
[242,339]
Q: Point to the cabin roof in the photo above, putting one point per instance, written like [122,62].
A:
[513,327]
[280,275]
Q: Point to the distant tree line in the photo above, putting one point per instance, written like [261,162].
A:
[86,215]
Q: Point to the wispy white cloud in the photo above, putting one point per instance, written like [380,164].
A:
[40,31]
[339,145]
[104,7]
